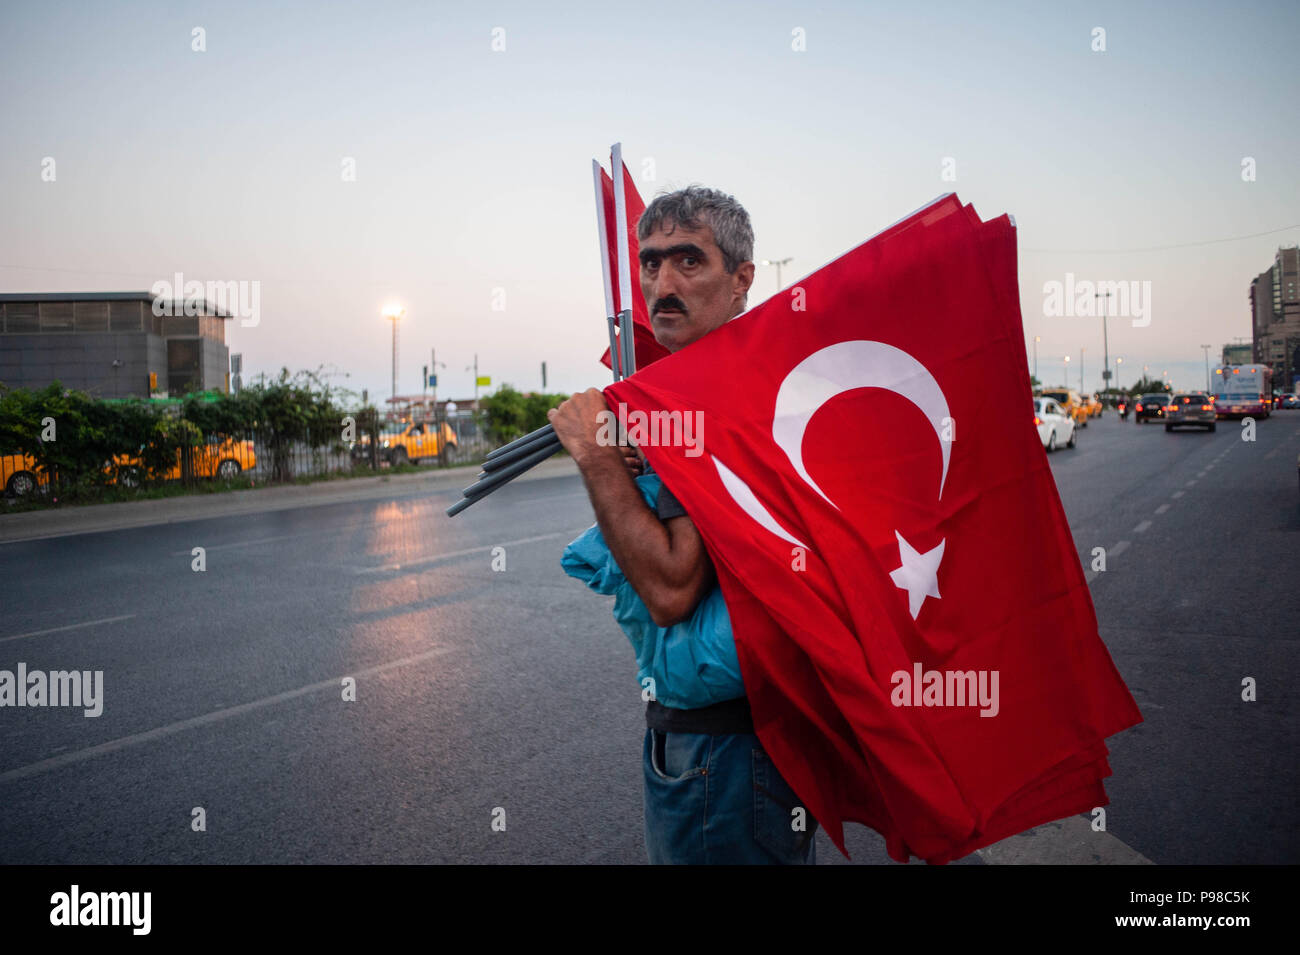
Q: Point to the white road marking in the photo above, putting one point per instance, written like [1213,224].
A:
[1201,475]
[71,626]
[1178,494]
[1190,483]
[433,558]
[1091,575]
[1141,527]
[161,732]
[1162,508]
[1069,841]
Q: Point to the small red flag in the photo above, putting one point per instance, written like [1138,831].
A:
[648,350]
[915,634]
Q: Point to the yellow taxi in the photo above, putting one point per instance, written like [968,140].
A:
[221,458]
[19,474]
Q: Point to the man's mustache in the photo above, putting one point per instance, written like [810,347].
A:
[669,302]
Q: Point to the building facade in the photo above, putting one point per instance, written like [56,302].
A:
[112,344]
[1275,318]
[1238,354]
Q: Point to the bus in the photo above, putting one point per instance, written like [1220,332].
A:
[1241,390]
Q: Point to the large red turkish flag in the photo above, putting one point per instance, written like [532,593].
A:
[877,503]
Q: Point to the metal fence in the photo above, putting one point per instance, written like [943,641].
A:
[251,457]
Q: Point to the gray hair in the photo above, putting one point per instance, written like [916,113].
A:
[694,205]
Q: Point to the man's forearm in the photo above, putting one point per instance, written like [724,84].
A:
[636,537]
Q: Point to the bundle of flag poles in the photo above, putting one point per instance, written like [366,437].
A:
[511,460]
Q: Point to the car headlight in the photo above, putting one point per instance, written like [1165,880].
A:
[385,444]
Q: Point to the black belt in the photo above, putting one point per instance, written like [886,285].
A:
[731,717]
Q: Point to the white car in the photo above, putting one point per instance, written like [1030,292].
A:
[1055,427]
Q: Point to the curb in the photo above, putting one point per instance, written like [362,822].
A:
[96,518]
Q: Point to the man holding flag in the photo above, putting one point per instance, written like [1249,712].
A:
[711,792]
[917,641]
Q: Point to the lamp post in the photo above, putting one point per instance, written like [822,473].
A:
[778,263]
[1105,342]
[1118,362]
[394,313]
[1207,367]
[1066,377]
[1037,339]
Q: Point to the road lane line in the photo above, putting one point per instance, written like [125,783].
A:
[1068,841]
[420,561]
[171,729]
[1090,575]
[1190,483]
[1162,508]
[1141,527]
[1178,494]
[71,626]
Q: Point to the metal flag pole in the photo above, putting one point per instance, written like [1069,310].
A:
[506,463]
[624,266]
[615,364]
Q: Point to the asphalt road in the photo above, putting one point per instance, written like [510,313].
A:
[479,691]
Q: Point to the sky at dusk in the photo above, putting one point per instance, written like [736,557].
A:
[472,164]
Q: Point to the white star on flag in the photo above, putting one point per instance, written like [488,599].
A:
[919,574]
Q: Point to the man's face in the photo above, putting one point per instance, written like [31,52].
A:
[686,286]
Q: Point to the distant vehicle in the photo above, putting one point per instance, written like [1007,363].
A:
[414,441]
[1191,409]
[221,457]
[1150,406]
[19,475]
[1070,403]
[1055,427]
[1123,407]
[1288,401]
[1093,405]
[1243,390]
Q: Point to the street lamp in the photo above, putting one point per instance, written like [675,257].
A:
[778,263]
[1105,342]
[394,313]
[1207,367]
[1037,339]
[1118,362]
[1067,371]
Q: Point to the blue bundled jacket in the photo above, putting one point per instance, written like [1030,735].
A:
[693,663]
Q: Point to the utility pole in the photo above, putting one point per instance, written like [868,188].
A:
[543,376]
[1207,367]
[1105,343]
[1037,339]
[778,263]
[394,313]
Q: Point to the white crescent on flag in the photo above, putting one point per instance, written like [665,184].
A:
[831,371]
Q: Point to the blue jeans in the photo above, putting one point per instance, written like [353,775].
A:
[719,800]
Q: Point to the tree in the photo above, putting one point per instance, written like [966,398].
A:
[1147,386]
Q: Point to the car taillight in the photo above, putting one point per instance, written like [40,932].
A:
[1037,421]
[1138,406]
[1207,407]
